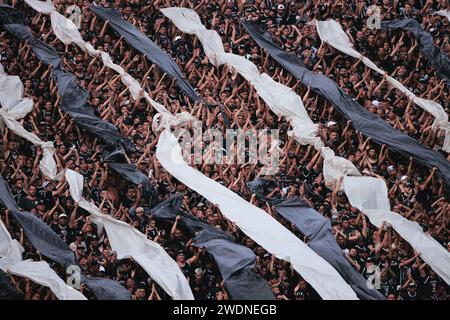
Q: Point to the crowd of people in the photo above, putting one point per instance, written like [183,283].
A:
[414,191]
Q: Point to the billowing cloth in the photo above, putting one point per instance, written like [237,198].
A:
[73,97]
[280,99]
[331,32]
[333,167]
[128,242]
[74,101]
[139,41]
[236,262]
[364,121]
[49,244]
[38,271]
[370,196]
[433,54]
[137,246]
[14,107]
[320,237]
[9,14]
[67,32]
[255,223]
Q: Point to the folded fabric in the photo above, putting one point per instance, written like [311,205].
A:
[128,242]
[14,107]
[255,223]
[37,271]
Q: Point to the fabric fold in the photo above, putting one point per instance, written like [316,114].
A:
[37,271]
[14,107]
[74,99]
[336,167]
[370,196]
[128,242]
[49,244]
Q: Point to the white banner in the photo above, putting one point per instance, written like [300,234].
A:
[334,167]
[15,107]
[256,223]
[37,271]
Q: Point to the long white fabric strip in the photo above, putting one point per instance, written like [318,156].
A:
[255,223]
[38,271]
[128,242]
[331,32]
[371,197]
[444,13]
[334,167]
[125,240]
[14,107]
[66,31]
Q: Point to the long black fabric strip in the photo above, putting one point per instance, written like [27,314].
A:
[9,15]
[236,262]
[74,98]
[366,122]
[139,41]
[49,244]
[320,237]
[434,54]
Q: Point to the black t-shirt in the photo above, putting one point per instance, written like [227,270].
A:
[63,231]
[186,269]
[127,202]
[428,286]
[199,288]
[28,204]
[387,287]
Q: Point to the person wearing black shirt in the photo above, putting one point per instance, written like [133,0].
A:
[30,201]
[429,281]
[411,292]
[198,285]
[62,228]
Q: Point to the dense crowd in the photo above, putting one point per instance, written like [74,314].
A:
[415,192]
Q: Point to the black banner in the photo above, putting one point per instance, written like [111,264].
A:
[236,262]
[74,102]
[139,41]
[366,122]
[434,54]
[49,244]
[320,237]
